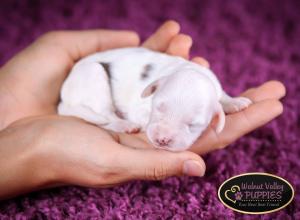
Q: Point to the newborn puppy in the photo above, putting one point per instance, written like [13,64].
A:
[133,89]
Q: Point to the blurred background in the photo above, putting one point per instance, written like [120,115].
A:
[247,43]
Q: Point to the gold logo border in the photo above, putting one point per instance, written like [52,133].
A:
[257,173]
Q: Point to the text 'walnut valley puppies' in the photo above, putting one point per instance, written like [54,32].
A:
[132,89]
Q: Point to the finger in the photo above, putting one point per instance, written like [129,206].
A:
[155,164]
[201,61]
[255,116]
[270,90]
[238,124]
[81,43]
[160,40]
[180,45]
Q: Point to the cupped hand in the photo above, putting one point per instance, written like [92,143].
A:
[46,151]
[32,79]
[68,150]
[50,150]
[266,106]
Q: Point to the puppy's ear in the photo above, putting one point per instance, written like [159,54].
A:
[221,118]
[152,87]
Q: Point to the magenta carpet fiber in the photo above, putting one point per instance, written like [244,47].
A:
[247,43]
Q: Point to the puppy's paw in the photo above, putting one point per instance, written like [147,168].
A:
[236,104]
[123,126]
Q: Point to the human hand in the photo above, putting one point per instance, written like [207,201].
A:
[46,151]
[52,150]
[266,106]
[161,163]
[32,79]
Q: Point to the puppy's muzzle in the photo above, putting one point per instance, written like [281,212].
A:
[163,142]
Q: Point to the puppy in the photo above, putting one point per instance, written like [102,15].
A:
[133,89]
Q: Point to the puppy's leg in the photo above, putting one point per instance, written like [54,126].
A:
[232,105]
[105,120]
[87,94]
[121,125]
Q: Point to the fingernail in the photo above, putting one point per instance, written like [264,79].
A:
[193,168]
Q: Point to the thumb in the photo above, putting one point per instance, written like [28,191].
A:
[154,164]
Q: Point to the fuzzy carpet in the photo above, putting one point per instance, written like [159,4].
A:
[247,43]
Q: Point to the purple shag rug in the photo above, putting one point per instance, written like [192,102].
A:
[247,43]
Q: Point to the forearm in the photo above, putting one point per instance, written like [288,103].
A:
[19,169]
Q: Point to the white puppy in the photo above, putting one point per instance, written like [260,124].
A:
[132,89]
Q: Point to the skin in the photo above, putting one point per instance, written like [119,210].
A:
[40,149]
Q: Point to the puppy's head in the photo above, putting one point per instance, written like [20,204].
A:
[183,105]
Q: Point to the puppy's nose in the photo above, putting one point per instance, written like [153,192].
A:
[163,142]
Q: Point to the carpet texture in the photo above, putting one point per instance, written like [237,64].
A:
[247,43]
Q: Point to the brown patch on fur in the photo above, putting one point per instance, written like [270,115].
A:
[120,114]
[106,67]
[146,71]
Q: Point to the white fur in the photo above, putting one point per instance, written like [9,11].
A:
[186,96]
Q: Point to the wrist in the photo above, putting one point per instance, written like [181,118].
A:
[7,101]
[21,168]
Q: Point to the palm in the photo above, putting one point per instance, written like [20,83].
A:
[266,107]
